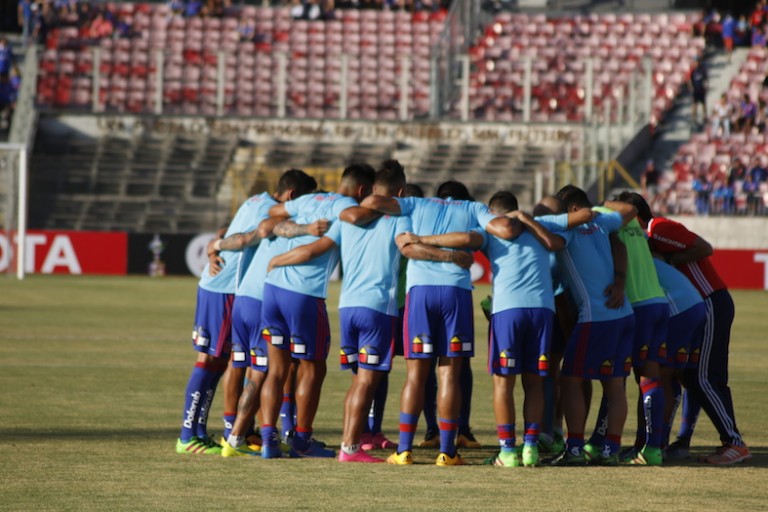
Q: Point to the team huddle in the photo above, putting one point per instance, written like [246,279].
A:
[577,296]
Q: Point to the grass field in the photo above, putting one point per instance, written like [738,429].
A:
[92,372]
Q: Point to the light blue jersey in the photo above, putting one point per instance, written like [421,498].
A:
[433,216]
[522,276]
[310,278]
[682,295]
[248,217]
[370,260]
[587,265]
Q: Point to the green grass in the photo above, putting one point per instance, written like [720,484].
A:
[92,372]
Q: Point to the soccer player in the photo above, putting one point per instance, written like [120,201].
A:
[294,317]
[600,346]
[651,309]
[687,314]
[367,305]
[248,348]
[212,337]
[439,317]
[706,385]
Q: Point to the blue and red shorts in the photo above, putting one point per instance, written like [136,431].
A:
[685,334]
[367,339]
[248,347]
[439,321]
[600,350]
[296,322]
[212,332]
[650,341]
[519,341]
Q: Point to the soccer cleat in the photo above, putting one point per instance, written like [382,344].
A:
[401,459]
[504,459]
[191,446]
[312,450]
[431,439]
[591,452]
[627,455]
[567,458]
[728,454]
[376,442]
[678,450]
[254,440]
[446,460]
[227,450]
[530,455]
[271,452]
[648,456]
[605,460]
[467,440]
[358,456]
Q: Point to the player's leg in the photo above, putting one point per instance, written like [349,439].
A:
[356,405]
[250,401]
[432,435]
[288,405]
[376,417]
[615,393]
[466,439]
[411,405]
[572,395]
[202,380]
[504,412]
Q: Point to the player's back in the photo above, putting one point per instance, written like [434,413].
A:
[682,295]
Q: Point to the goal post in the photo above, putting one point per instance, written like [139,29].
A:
[13,207]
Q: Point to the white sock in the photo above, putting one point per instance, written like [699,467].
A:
[235,441]
[350,449]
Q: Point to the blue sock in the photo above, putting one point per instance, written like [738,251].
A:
[506,433]
[601,426]
[677,391]
[407,431]
[574,443]
[211,381]
[376,416]
[302,439]
[229,422]
[448,429]
[269,436]
[612,444]
[287,423]
[531,436]
[653,409]
[690,415]
[193,397]
[466,383]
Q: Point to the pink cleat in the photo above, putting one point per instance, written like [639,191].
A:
[359,456]
[376,442]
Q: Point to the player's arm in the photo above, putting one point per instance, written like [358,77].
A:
[615,291]
[457,240]
[549,240]
[382,204]
[359,215]
[581,216]
[699,250]
[279,210]
[302,253]
[505,228]
[289,229]
[626,210]
[431,253]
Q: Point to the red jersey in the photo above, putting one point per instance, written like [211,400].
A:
[668,236]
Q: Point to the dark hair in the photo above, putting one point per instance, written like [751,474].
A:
[361,174]
[391,175]
[413,190]
[297,180]
[455,190]
[571,195]
[638,201]
[503,201]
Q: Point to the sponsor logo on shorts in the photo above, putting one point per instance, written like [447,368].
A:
[606,368]
[457,345]
[238,356]
[694,357]
[627,364]
[200,338]
[506,360]
[543,363]
[348,355]
[369,356]
[663,351]
[270,337]
[681,356]
[297,347]
[421,345]
[643,355]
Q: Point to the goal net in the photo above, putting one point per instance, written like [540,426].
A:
[13,208]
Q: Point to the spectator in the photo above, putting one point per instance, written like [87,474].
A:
[752,191]
[6,56]
[703,189]
[698,83]
[758,37]
[721,117]
[737,174]
[99,28]
[741,36]
[176,7]
[193,8]
[649,180]
[728,34]
[757,18]
[7,100]
[747,115]
[25,18]
[758,172]
[722,198]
